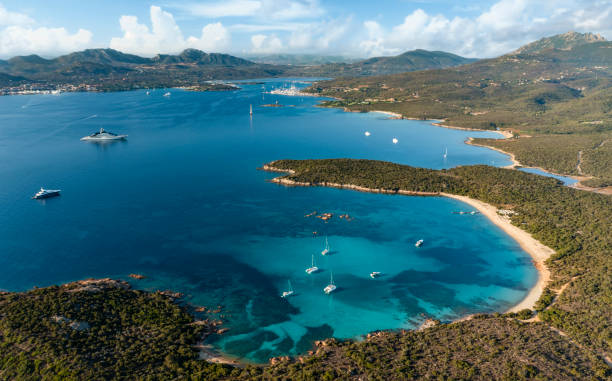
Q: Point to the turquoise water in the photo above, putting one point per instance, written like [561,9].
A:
[182,202]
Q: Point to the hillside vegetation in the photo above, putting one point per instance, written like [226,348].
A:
[562,97]
[98,329]
[576,224]
[484,348]
[111,70]
[409,61]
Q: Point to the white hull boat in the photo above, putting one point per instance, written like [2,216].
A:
[103,135]
[46,193]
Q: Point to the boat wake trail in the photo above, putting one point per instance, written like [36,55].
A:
[89,117]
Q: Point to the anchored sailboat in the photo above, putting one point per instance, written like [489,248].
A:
[331,287]
[312,268]
[289,292]
[327,248]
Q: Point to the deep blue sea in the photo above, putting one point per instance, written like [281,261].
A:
[182,202]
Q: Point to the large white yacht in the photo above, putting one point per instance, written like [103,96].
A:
[104,135]
[46,193]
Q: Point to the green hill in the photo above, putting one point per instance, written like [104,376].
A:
[108,69]
[557,100]
[410,61]
[561,41]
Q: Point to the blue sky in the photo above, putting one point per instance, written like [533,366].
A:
[244,27]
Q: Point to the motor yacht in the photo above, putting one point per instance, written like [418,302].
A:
[104,135]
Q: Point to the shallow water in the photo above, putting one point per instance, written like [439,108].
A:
[182,202]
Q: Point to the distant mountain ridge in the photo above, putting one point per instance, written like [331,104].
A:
[561,41]
[300,59]
[22,65]
[109,69]
[413,60]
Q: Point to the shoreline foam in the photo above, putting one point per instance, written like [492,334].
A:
[538,252]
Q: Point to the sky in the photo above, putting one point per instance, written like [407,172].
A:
[351,28]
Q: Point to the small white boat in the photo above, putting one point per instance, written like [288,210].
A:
[326,249]
[46,193]
[367,133]
[167,94]
[375,274]
[419,243]
[395,140]
[312,268]
[331,287]
[104,135]
[148,93]
[445,152]
[250,109]
[289,292]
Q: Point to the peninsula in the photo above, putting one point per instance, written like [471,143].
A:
[529,207]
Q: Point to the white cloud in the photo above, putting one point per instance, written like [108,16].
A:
[253,28]
[323,37]
[266,44]
[165,36]
[19,36]
[291,9]
[214,37]
[12,18]
[374,44]
[230,8]
[505,26]
[261,9]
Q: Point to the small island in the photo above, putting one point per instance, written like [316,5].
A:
[212,87]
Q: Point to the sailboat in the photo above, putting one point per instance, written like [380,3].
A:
[445,152]
[331,287]
[312,268]
[327,248]
[251,110]
[289,292]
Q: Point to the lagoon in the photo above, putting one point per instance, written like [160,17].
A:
[182,202]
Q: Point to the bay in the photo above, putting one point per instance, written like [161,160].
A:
[182,202]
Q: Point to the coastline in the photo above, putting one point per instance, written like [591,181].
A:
[515,163]
[538,252]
